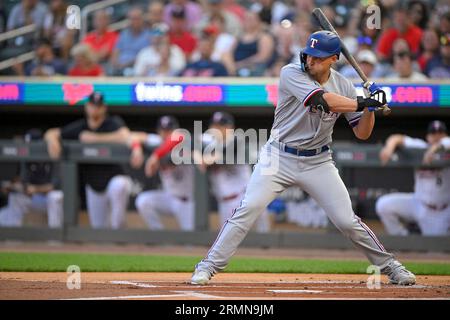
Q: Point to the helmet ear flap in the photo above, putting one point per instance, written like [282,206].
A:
[303,61]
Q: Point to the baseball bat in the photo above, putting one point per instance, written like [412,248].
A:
[325,24]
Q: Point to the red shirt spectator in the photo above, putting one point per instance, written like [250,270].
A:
[185,40]
[102,41]
[85,63]
[412,35]
[179,34]
[79,71]
[403,29]
[99,42]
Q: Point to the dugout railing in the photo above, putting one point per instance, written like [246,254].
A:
[346,155]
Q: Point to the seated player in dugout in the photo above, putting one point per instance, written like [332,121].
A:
[107,188]
[176,196]
[33,192]
[429,205]
[228,180]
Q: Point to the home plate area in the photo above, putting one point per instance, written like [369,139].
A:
[225,286]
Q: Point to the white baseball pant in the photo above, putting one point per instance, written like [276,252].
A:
[391,208]
[107,209]
[317,175]
[227,207]
[20,204]
[151,204]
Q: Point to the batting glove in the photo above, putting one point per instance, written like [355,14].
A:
[370,86]
[375,101]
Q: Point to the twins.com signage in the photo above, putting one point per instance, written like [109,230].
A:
[230,93]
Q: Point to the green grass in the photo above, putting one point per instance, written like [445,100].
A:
[53,262]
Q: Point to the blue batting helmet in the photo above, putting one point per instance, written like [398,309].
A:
[321,44]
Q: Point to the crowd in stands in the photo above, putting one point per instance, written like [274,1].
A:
[409,40]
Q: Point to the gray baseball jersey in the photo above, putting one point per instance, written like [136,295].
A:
[303,127]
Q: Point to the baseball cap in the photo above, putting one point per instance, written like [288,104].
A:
[437,126]
[178,12]
[97,98]
[366,56]
[222,118]
[167,123]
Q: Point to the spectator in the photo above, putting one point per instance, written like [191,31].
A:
[235,8]
[270,11]
[368,63]
[131,40]
[403,63]
[439,67]
[56,30]
[232,24]
[179,34]
[155,14]
[33,192]
[85,64]
[430,48]
[107,188]
[193,13]
[205,67]
[418,11]
[429,205]
[252,53]
[102,40]
[176,197]
[45,63]
[27,12]
[403,29]
[160,59]
[223,41]
[22,14]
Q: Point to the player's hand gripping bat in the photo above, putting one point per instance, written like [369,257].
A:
[326,25]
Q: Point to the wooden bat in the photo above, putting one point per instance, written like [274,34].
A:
[325,24]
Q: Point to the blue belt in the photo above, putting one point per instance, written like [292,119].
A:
[301,153]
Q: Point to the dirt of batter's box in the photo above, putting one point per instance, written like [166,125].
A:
[175,286]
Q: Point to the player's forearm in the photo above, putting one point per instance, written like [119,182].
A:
[340,104]
[394,141]
[365,125]
[52,135]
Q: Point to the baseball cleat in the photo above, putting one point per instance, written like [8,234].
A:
[200,277]
[398,274]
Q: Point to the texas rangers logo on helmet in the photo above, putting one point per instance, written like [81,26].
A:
[313,42]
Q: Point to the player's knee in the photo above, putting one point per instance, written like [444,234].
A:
[382,205]
[120,186]
[142,202]
[55,196]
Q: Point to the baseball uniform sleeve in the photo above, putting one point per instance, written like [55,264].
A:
[153,140]
[73,130]
[297,83]
[410,142]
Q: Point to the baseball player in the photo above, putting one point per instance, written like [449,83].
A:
[176,197]
[429,204]
[107,188]
[311,96]
[33,192]
[228,181]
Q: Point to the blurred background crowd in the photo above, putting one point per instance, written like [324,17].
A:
[408,40]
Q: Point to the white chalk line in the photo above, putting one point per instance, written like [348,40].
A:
[136,284]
